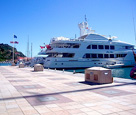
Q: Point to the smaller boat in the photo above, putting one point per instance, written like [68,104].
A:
[133,72]
[39,59]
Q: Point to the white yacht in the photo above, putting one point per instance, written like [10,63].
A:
[90,49]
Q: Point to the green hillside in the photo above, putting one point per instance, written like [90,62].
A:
[6,52]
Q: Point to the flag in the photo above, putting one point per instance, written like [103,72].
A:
[15,36]
[42,47]
[48,46]
[11,42]
[16,42]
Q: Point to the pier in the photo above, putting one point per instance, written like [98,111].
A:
[53,92]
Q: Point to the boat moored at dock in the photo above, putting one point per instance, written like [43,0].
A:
[90,49]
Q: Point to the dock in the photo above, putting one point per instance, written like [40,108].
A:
[53,92]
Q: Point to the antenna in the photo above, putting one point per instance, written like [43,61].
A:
[85,18]
[134,28]
[134,23]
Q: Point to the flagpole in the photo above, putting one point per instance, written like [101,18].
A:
[13,48]
[31,50]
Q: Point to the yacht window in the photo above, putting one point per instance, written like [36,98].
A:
[111,55]
[66,45]
[100,55]
[68,55]
[59,55]
[120,55]
[126,47]
[94,55]
[129,47]
[123,55]
[94,46]
[76,46]
[106,56]
[100,46]
[112,47]
[50,55]
[106,47]
[87,56]
[89,47]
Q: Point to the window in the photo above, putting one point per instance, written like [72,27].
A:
[76,46]
[94,46]
[87,56]
[112,47]
[120,55]
[123,55]
[94,55]
[100,55]
[106,56]
[126,47]
[129,47]
[89,47]
[100,46]
[106,47]
[68,55]
[111,55]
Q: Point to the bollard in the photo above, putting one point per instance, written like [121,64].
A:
[13,64]
[74,71]
[38,67]
[21,65]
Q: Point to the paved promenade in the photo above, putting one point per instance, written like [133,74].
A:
[24,92]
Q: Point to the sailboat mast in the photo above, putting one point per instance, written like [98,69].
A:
[28,47]
[31,50]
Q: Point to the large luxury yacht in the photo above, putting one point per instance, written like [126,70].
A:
[90,49]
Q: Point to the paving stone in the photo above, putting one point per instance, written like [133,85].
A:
[23,92]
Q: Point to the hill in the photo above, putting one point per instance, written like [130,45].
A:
[6,52]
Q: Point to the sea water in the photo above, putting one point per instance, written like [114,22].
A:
[118,72]
[5,64]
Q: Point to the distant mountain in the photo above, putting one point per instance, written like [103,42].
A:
[6,52]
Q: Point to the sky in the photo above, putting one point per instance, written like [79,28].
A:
[41,20]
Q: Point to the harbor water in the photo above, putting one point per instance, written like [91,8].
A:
[118,72]
[5,64]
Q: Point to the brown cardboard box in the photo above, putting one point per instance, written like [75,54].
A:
[98,75]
